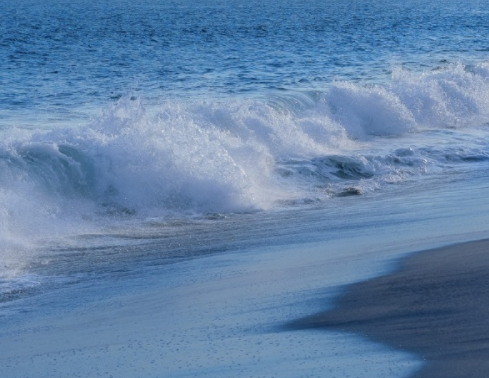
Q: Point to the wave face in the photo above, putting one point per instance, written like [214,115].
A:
[181,159]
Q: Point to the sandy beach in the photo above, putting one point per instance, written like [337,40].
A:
[435,305]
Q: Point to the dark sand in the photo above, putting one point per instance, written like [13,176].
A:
[435,305]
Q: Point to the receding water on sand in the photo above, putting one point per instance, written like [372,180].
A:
[223,313]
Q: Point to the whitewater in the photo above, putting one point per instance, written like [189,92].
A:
[179,181]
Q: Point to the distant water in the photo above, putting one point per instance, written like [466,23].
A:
[62,60]
[146,123]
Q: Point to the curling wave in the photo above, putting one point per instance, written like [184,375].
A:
[186,158]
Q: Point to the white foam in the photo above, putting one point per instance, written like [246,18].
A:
[184,158]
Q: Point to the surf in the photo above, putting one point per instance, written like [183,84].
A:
[184,159]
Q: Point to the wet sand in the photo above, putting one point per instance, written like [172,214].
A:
[436,305]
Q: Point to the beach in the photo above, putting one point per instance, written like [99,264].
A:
[224,317]
[181,181]
[228,313]
[435,305]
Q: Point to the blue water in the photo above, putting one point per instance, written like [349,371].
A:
[61,59]
[139,134]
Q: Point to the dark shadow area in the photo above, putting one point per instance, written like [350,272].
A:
[435,305]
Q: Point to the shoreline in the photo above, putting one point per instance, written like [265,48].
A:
[435,305]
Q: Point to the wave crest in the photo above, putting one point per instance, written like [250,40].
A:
[182,158]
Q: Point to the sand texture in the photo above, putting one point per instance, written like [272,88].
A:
[435,305]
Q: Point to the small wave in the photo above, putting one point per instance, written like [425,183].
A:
[366,172]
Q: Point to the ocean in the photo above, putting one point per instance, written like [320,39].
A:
[245,160]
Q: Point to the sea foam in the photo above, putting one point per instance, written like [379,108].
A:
[182,158]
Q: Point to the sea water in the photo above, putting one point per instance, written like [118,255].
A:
[141,135]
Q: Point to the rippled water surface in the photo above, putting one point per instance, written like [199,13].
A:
[60,58]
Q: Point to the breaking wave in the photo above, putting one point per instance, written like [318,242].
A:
[186,158]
